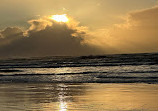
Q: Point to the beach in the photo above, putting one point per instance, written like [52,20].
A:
[78,97]
[90,83]
[79,55]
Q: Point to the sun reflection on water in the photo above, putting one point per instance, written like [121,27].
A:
[61,96]
[63,106]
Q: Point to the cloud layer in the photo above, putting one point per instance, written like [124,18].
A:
[45,37]
[138,34]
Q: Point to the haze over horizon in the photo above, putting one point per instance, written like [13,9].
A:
[75,28]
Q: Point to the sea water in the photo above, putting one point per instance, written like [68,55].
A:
[126,68]
[126,82]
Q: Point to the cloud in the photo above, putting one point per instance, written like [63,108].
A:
[10,34]
[45,37]
[138,34]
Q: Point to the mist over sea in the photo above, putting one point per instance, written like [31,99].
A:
[122,82]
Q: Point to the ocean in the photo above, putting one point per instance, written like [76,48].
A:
[125,68]
[121,82]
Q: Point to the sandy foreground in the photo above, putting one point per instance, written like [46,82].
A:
[78,97]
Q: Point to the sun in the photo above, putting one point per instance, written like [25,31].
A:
[60,18]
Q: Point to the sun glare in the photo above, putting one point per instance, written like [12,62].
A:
[60,18]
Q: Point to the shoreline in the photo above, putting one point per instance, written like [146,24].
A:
[78,96]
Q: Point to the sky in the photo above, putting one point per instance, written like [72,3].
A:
[94,27]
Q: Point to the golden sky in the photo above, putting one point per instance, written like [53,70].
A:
[94,27]
[94,13]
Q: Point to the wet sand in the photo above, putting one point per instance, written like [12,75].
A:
[78,97]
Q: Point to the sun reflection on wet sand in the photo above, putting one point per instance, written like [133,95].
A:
[63,106]
[77,97]
[61,96]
